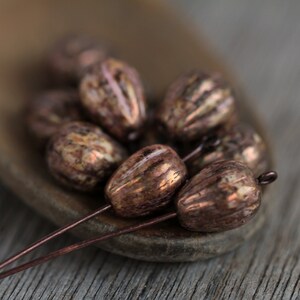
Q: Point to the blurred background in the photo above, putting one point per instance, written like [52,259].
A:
[260,42]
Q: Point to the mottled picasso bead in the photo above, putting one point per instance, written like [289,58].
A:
[242,143]
[195,104]
[113,96]
[72,56]
[146,181]
[81,156]
[50,110]
[223,196]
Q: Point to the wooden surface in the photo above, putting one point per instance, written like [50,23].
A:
[261,43]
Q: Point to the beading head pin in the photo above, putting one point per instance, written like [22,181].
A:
[223,196]
[146,182]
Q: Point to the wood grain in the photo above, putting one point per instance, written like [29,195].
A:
[260,40]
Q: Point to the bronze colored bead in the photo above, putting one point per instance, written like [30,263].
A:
[146,181]
[223,196]
[50,110]
[113,96]
[195,104]
[241,143]
[81,156]
[72,56]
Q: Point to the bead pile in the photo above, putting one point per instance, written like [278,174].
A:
[88,125]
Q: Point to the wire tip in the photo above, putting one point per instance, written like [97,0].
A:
[267,178]
[211,142]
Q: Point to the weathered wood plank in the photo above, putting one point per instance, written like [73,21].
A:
[261,42]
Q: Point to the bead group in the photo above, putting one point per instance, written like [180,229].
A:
[191,156]
[88,130]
